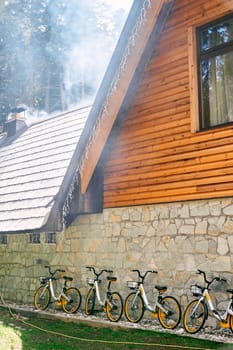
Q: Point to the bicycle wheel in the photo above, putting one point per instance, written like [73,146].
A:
[195,316]
[134,307]
[90,301]
[42,298]
[231,322]
[114,307]
[171,319]
[74,300]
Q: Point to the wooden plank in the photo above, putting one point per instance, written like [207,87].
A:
[158,156]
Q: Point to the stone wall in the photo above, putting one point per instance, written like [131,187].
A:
[176,239]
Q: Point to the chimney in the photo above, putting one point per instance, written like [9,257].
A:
[15,121]
[10,127]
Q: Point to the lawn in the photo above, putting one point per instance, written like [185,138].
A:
[36,332]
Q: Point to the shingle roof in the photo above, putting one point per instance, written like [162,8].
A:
[33,167]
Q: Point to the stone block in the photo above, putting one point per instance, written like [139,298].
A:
[201,228]
[230,242]
[222,248]
[221,264]
[184,211]
[186,229]
[202,247]
[228,210]
[199,210]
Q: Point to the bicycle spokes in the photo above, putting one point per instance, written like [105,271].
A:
[170,314]
[114,307]
[194,317]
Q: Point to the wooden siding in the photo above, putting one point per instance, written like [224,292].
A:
[156,156]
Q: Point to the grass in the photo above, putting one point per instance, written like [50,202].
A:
[37,332]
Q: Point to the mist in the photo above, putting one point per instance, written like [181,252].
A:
[53,54]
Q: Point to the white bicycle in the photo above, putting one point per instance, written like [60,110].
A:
[68,298]
[166,308]
[196,313]
[112,304]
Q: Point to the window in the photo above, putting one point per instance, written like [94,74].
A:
[34,238]
[50,237]
[3,238]
[215,73]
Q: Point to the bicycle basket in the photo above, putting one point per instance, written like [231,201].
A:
[132,284]
[196,290]
[43,280]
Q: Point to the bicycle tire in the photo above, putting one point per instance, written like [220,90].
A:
[231,322]
[74,302]
[134,307]
[90,301]
[194,323]
[42,298]
[114,308]
[172,319]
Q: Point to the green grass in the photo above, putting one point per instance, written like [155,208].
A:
[22,334]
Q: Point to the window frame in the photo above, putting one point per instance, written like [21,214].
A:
[34,238]
[50,237]
[3,239]
[194,71]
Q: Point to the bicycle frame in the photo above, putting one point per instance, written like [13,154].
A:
[148,306]
[96,287]
[216,314]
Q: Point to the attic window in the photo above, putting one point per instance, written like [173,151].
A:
[34,238]
[215,73]
[3,238]
[50,237]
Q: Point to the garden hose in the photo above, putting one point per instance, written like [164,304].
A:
[168,346]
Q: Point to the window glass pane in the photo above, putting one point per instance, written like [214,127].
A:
[216,35]
[217,90]
[34,238]
[50,237]
[3,238]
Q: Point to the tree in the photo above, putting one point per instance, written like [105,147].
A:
[53,53]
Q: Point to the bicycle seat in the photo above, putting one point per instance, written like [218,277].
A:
[230,291]
[161,288]
[112,279]
[66,278]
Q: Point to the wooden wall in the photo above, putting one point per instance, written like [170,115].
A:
[156,156]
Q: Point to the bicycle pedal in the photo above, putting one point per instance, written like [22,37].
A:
[154,314]
[58,303]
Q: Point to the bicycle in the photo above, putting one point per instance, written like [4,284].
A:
[69,298]
[112,303]
[197,311]
[167,309]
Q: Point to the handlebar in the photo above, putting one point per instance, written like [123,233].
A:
[53,273]
[97,274]
[141,276]
[200,272]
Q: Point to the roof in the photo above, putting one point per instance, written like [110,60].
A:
[33,168]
